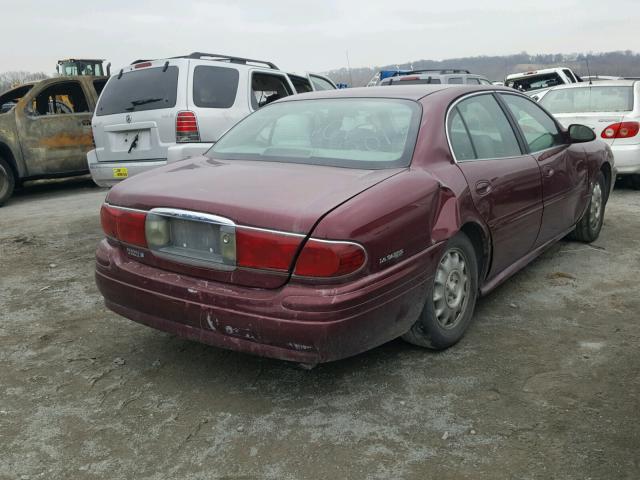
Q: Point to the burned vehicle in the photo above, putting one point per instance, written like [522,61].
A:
[45,130]
[329,223]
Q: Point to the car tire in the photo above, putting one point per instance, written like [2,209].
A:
[7,181]
[451,298]
[588,228]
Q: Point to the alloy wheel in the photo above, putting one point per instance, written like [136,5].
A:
[451,289]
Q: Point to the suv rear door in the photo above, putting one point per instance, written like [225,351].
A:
[268,86]
[215,96]
[55,128]
[136,114]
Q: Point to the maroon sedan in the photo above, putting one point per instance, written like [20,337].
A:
[329,223]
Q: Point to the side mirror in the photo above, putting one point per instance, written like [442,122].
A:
[581,133]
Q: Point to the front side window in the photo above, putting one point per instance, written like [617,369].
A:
[320,83]
[348,132]
[490,131]
[539,129]
[589,99]
[59,98]
[214,87]
[267,88]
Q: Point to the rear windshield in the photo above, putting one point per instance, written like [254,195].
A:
[139,90]
[589,99]
[348,132]
[534,82]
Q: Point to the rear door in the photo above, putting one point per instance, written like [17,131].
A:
[564,169]
[55,129]
[216,97]
[504,182]
[136,114]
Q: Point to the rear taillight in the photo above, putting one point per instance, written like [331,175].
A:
[265,249]
[187,127]
[324,259]
[621,130]
[124,224]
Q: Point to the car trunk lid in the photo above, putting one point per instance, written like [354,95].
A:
[276,196]
[598,121]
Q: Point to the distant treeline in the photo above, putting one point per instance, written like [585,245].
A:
[9,79]
[622,63]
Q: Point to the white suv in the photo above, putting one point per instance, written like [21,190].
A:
[155,111]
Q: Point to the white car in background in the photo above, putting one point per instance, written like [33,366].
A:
[611,109]
[536,83]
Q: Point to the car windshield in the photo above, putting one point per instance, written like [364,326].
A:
[589,99]
[535,82]
[348,132]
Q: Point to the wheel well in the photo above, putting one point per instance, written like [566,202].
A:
[606,171]
[480,245]
[6,155]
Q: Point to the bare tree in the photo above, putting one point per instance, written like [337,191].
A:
[11,79]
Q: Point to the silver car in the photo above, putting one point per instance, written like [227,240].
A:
[611,109]
[157,111]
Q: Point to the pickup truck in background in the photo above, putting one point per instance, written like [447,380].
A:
[536,83]
[45,130]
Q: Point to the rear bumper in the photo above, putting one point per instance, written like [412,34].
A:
[180,151]
[102,172]
[298,322]
[627,158]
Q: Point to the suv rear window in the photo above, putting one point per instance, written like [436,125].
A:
[140,90]
[214,87]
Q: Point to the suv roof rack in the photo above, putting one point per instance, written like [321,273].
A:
[441,70]
[219,57]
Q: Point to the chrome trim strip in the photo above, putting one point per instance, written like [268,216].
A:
[194,216]
[268,230]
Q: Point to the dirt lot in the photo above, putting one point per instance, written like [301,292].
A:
[545,385]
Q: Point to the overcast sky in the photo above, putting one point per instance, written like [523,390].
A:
[308,35]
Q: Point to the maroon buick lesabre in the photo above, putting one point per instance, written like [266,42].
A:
[329,223]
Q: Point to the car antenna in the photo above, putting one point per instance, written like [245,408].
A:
[586,59]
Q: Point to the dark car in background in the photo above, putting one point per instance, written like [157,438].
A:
[328,223]
[45,129]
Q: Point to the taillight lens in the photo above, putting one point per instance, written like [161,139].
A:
[621,130]
[124,225]
[324,259]
[187,127]
[265,250]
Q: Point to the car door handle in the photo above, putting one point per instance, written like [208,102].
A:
[548,172]
[483,187]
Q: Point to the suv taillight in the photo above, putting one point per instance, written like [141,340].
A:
[621,130]
[187,127]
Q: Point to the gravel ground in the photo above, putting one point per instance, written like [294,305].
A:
[545,385]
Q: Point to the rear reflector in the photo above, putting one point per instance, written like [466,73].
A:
[320,258]
[187,127]
[266,250]
[124,225]
[621,130]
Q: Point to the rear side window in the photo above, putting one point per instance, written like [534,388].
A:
[301,84]
[473,81]
[58,99]
[589,99]
[139,90]
[456,80]
[569,75]
[214,87]
[459,137]
[490,131]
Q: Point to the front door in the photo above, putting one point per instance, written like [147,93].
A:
[504,182]
[563,167]
[55,130]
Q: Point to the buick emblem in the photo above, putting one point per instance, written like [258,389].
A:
[128,118]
